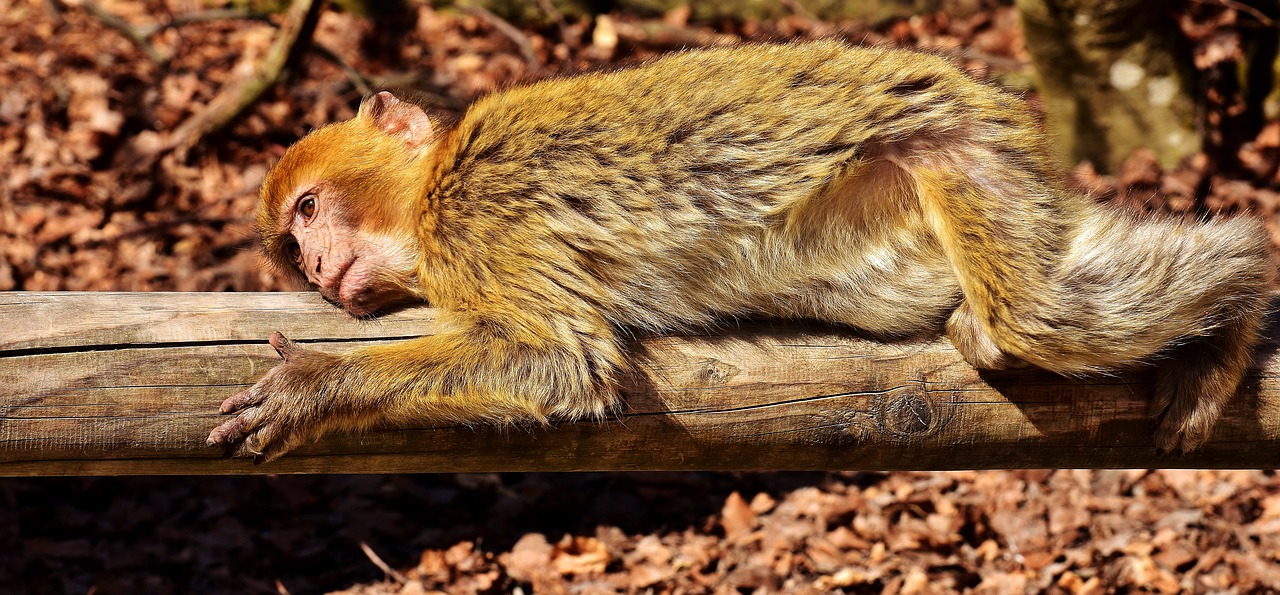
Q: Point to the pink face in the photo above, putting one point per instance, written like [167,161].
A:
[360,271]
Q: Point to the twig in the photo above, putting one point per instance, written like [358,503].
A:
[357,80]
[217,14]
[377,561]
[661,34]
[554,13]
[294,35]
[510,31]
[136,35]
[551,11]
[1242,7]
[410,80]
[140,35]
[798,9]
[1000,62]
[817,26]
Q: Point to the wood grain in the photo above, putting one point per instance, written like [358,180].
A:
[129,383]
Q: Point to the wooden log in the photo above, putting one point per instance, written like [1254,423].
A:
[129,383]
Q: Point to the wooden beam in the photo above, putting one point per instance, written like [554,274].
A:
[129,383]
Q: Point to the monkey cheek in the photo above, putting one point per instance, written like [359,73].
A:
[364,294]
[354,299]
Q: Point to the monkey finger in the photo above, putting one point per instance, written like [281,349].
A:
[241,429]
[228,433]
[284,346]
[245,398]
[249,448]
[1160,403]
[264,444]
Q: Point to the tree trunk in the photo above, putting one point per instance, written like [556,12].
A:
[1115,76]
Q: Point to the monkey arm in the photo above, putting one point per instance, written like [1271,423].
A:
[474,372]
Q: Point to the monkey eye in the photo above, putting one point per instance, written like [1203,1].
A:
[307,206]
[292,251]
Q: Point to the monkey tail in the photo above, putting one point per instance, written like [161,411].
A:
[1074,287]
[1164,282]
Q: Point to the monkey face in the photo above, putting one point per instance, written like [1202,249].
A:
[359,270]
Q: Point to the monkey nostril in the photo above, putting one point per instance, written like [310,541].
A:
[319,259]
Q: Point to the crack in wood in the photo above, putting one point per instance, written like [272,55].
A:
[797,401]
[97,347]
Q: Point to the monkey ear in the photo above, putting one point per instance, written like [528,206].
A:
[398,118]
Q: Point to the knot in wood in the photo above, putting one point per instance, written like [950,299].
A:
[713,372]
[912,414]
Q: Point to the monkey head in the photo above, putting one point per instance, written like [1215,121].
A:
[341,210]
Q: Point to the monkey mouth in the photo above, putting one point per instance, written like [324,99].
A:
[338,278]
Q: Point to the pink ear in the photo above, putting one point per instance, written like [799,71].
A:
[396,117]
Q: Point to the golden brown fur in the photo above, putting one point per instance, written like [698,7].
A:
[875,188]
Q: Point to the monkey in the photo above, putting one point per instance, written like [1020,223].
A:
[883,190]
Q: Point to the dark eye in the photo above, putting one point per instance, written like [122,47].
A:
[292,251]
[307,206]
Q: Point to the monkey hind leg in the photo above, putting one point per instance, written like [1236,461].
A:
[1198,380]
[1196,293]
[975,343]
[1193,293]
[1077,288]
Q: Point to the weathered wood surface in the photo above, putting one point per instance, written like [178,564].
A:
[129,383]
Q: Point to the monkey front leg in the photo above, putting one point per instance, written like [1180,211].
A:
[455,377]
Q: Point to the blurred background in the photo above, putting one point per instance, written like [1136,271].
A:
[134,134]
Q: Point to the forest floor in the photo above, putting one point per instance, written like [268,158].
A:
[89,201]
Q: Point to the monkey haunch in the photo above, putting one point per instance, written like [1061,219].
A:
[874,188]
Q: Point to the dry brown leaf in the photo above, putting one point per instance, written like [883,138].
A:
[529,558]
[1143,572]
[580,556]
[1254,572]
[823,555]
[646,575]
[1002,583]
[432,566]
[736,518]
[762,503]
[1141,168]
[845,577]
[1078,586]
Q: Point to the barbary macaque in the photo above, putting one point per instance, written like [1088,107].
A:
[878,189]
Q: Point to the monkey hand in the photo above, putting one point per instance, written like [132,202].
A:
[285,409]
